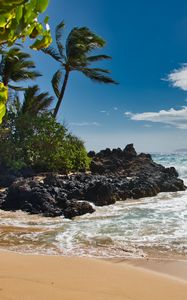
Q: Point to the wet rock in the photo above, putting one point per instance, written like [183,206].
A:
[100,194]
[38,198]
[76,208]
[6,180]
[116,175]
[2,197]
[31,197]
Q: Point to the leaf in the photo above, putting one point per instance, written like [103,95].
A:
[97,58]
[58,35]
[3,99]
[43,43]
[3,93]
[19,13]
[98,75]
[2,111]
[52,52]
[19,19]
[56,81]
[42,5]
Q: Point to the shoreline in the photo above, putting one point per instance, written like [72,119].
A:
[33,277]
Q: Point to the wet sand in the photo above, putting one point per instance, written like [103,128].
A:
[170,266]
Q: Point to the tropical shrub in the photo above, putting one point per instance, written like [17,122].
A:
[41,143]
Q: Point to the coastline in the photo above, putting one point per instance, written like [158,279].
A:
[32,277]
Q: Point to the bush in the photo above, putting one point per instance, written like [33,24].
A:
[41,143]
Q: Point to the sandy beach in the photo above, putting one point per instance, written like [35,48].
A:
[26,277]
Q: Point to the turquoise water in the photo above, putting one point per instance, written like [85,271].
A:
[131,228]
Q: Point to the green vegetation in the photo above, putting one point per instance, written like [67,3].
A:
[16,66]
[75,56]
[3,99]
[19,20]
[29,133]
[34,139]
[34,102]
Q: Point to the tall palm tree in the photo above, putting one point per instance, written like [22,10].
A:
[16,66]
[34,102]
[75,56]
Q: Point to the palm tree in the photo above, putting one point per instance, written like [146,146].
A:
[75,56]
[33,103]
[16,66]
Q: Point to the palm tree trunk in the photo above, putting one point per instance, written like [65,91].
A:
[61,94]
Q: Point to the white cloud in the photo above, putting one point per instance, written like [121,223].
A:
[82,124]
[178,78]
[115,108]
[128,113]
[176,118]
[105,112]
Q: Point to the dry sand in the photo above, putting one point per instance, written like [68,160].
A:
[25,277]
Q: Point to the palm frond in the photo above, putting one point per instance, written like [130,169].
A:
[17,66]
[81,41]
[44,102]
[96,58]
[35,102]
[98,75]
[56,81]
[23,75]
[58,35]
[53,53]
[16,88]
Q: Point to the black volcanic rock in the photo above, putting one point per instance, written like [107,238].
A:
[76,208]
[129,152]
[38,198]
[100,194]
[32,197]
[6,180]
[115,175]
[107,161]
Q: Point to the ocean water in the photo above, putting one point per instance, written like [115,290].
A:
[132,228]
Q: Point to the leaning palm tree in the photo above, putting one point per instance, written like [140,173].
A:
[15,67]
[34,102]
[75,56]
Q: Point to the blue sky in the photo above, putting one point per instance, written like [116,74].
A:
[148,43]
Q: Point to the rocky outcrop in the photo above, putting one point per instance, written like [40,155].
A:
[115,175]
[38,198]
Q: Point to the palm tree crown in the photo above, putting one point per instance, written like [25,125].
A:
[34,102]
[16,66]
[75,56]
